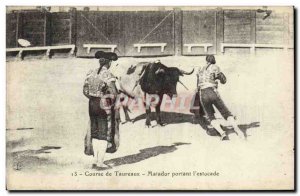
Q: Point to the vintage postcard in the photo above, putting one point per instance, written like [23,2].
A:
[150,98]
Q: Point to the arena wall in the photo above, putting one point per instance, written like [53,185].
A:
[176,28]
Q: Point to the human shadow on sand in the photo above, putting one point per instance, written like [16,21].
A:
[230,130]
[177,118]
[44,149]
[142,155]
[28,159]
[16,143]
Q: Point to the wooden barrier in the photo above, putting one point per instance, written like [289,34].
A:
[103,46]
[229,45]
[184,31]
[253,46]
[285,47]
[162,45]
[205,46]
[41,48]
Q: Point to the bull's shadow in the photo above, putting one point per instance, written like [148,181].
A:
[142,155]
[168,117]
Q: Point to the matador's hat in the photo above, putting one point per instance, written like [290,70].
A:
[106,55]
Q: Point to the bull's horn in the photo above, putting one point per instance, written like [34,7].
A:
[186,73]
[183,85]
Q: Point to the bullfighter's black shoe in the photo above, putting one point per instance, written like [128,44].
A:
[96,167]
[224,137]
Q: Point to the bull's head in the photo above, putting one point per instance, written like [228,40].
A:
[170,77]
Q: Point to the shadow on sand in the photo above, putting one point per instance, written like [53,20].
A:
[229,130]
[28,159]
[142,155]
[44,149]
[16,143]
[168,117]
[177,118]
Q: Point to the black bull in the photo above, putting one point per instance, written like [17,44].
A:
[151,78]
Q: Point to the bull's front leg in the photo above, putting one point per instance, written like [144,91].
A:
[148,116]
[148,110]
[157,110]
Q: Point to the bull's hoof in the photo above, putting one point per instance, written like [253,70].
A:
[148,126]
[148,122]
[160,123]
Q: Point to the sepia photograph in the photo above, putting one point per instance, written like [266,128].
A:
[143,98]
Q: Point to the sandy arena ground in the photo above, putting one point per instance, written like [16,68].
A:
[47,117]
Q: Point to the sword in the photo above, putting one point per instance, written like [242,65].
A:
[183,85]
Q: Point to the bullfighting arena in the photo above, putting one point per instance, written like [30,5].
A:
[47,118]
